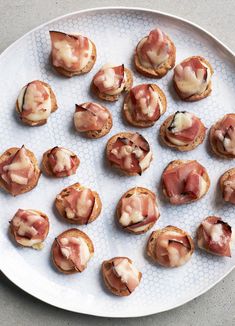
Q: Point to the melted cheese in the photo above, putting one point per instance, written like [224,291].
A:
[108,80]
[131,218]
[182,121]
[215,231]
[83,252]
[145,162]
[126,271]
[83,205]
[202,186]
[63,160]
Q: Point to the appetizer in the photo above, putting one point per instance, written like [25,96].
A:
[120,275]
[19,171]
[185,181]
[35,103]
[155,54]
[222,136]
[129,152]
[192,79]
[60,162]
[183,131]
[137,210]
[71,251]
[170,246]
[227,186]
[144,105]
[72,54]
[78,204]
[92,119]
[215,236]
[29,228]
[110,81]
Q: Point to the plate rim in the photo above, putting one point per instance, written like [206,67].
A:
[8,273]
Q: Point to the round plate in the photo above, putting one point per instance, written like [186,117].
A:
[115,32]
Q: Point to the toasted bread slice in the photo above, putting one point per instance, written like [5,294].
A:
[112,98]
[129,193]
[224,177]
[143,124]
[76,234]
[162,69]
[54,107]
[33,182]
[59,204]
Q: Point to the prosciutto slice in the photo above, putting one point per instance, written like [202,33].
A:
[62,161]
[109,79]
[224,134]
[229,189]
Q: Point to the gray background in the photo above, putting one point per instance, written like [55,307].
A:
[217,306]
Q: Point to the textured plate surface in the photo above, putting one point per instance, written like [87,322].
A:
[115,32]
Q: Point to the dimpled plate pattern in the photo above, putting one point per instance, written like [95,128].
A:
[115,32]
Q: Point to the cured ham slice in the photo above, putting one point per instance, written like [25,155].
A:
[215,236]
[227,184]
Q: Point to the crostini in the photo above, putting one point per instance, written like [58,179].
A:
[35,103]
[78,204]
[71,251]
[29,228]
[92,119]
[192,79]
[72,54]
[129,152]
[144,105]
[222,136]
[215,236]
[110,81]
[185,181]
[170,246]
[137,210]
[227,186]
[60,162]
[120,276]
[183,131]
[155,54]
[19,171]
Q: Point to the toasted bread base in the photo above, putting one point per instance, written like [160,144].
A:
[76,234]
[195,97]
[106,264]
[11,151]
[177,163]
[143,124]
[162,70]
[54,107]
[61,210]
[113,98]
[224,177]
[118,209]
[183,148]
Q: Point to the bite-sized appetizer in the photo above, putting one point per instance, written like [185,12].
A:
[183,131]
[170,246]
[215,236]
[72,54]
[129,152]
[29,228]
[92,119]
[192,78]
[78,204]
[19,171]
[71,251]
[60,162]
[155,54]
[185,181]
[35,103]
[110,81]
[144,105]
[137,210]
[120,275]
[222,136]
[227,186]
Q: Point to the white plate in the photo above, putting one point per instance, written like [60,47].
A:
[115,32]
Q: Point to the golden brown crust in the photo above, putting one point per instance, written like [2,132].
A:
[61,209]
[183,148]
[11,151]
[128,193]
[112,98]
[162,70]
[76,234]
[54,107]
[106,264]
[195,97]
[144,124]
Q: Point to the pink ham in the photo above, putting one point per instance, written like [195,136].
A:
[224,132]
[53,162]
[100,79]
[194,63]
[229,189]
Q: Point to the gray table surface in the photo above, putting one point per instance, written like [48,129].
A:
[217,306]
